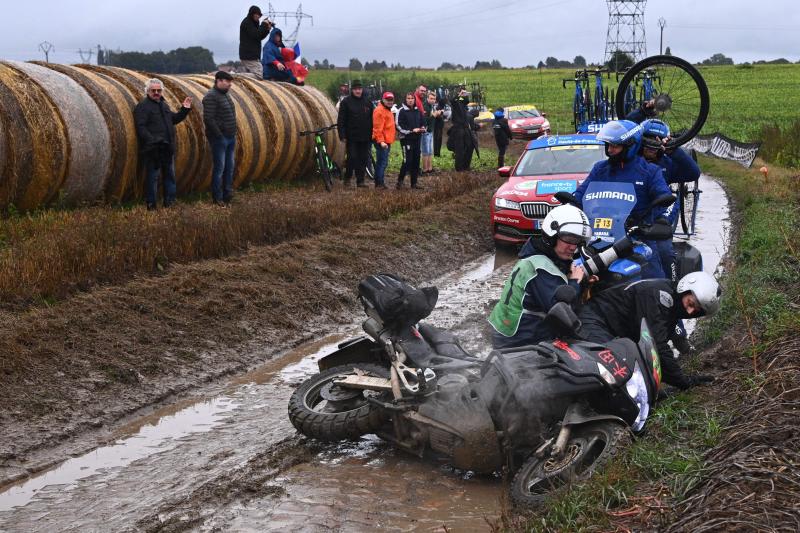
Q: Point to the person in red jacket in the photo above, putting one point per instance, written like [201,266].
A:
[299,71]
[383,135]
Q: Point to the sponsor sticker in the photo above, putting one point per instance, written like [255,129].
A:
[665,298]
[554,186]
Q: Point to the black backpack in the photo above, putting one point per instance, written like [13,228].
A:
[394,302]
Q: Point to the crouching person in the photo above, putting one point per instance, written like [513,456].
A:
[530,290]
[618,312]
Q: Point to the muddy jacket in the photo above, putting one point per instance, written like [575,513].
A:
[219,114]
[623,307]
[354,122]
[155,125]
[528,294]
[251,33]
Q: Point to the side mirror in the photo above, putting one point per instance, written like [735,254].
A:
[544,115]
[665,200]
[563,319]
[565,198]
[504,172]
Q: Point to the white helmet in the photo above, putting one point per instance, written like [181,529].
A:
[568,223]
[705,288]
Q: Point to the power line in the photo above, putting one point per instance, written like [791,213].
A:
[46,47]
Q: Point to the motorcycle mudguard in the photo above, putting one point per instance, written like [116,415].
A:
[359,350]
[578,414]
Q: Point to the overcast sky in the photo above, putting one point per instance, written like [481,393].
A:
[426,33]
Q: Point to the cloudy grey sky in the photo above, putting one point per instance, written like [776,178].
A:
[426,33]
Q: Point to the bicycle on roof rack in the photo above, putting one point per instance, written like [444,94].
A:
[326,166]
[669,88]
[589,111]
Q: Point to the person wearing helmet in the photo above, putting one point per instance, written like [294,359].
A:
[545,265]
[618,312]
[679,167]
[502,134]
[623,139]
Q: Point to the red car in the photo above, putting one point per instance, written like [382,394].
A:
[548,165]
[527,123]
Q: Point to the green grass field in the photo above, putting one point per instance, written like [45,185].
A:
[742,98]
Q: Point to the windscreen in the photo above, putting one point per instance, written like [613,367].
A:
[573,159]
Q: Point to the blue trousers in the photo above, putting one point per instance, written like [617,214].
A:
[381,162]
[271,72]
[155,165]
[653,269]
[222,149]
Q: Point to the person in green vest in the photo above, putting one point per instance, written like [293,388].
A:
[545,265]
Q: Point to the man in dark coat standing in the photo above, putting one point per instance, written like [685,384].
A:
[219,116]
[355,128]
[502,135]
[251,33]
[155,128]
[459,138]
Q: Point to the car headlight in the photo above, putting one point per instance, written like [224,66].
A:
[637,390]
[502,203]
[545,125]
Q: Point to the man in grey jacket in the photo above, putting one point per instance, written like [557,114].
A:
[219,116]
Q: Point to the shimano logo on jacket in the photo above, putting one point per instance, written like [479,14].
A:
[610,195]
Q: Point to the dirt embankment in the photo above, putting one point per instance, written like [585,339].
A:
[90,360]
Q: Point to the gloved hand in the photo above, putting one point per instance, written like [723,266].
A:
[694,380]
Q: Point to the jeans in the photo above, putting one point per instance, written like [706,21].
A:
[165,165]
[222,149]
[381,162]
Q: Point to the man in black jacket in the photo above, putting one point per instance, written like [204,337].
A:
[155,128]
[219,116]
[502,135]
[459,137]
[355,128]
[618,312]
[251,33]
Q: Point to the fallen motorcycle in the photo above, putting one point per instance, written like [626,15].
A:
[550,413]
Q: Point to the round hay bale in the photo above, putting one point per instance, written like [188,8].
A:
[34,144]
[336,148]
[87,134]
[270,111]
[116,104]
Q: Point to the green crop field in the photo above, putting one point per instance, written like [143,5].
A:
[742,98]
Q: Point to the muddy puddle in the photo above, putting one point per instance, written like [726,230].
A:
[167,467]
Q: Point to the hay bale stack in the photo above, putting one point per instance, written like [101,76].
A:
[116,104]
[67,132]
[87,137]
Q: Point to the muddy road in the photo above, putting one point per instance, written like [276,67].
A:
[231,460]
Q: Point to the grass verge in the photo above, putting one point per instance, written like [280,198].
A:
[720,454]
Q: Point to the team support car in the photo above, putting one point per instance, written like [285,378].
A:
[549,164]
[527,122]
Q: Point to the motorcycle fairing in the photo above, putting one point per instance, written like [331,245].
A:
[608,205]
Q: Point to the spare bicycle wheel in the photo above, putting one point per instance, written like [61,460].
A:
[679,95]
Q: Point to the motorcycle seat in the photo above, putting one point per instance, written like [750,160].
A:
[444,342]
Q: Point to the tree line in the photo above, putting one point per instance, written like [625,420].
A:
[179,61]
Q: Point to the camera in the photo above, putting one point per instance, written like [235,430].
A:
[595,263]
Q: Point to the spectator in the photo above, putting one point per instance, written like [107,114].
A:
[439,124]
[298,71]
[459,136]
[502,135]
[419,98]
[355,128]
[411,127]
[251,33]
[219,116]
[272,59]
[430,112]
[383,135]
[155,128]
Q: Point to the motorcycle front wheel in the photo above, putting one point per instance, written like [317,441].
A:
[590,447]
[322,410]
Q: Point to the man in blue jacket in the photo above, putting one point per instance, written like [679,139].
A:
[622,140]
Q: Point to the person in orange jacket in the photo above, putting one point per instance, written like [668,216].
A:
[383,135]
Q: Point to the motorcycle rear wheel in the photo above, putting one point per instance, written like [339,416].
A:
[321,410]
[590,447]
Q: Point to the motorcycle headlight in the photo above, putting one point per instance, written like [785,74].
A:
[502,203]
[637,390]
